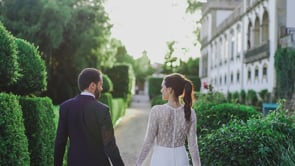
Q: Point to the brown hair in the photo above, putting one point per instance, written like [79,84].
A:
[87,76]
[181,86]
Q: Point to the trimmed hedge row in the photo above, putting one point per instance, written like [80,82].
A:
[118,109]
[27,130]
[40,128]
[154,86]
[13,141]
[123,77]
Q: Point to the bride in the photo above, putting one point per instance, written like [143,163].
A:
[170,124]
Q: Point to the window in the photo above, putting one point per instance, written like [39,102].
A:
[232,50]
[231,78]
[239,44]
[264,70]
[249,75]
[224,79]
[256,72]
[238,76]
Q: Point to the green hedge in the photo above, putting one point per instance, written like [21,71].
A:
[213,116]
[196,82]
[107,85]
[40,128]
[259,141]
[33,70]
[157,100]
[107,98]
[9,68]
[13,141]
[154,86]
[285,69]
[123,78]
[118,109]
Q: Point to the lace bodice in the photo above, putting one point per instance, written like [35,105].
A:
[167,127]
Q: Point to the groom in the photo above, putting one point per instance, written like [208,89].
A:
[88,125]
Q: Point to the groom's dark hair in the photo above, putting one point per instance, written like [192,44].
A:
[87,76]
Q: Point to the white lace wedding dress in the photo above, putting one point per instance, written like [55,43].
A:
[166,133]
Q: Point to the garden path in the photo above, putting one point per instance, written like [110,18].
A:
[130,129]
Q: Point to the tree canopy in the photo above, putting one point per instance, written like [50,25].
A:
[71,35]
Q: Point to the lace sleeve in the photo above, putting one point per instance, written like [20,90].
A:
[193,141]
[151,132]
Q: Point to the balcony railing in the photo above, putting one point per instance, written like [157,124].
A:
[258,53]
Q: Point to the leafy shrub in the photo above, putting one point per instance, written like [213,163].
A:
[212,97]
[265,95]
[107,84]
[9,68]
[13,141]
[118,109]
[259,141]
[229,97]
[213,116]
[40,128]
[235,97]
[243,97]
[154,86]
[33,70]
[252,97]
[196,82]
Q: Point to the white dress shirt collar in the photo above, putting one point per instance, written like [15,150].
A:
[87,93]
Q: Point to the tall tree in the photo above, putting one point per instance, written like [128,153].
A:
[169,64]
[70,34]
[142,68]
[189,67]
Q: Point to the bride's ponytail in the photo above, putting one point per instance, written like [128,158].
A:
[188,99]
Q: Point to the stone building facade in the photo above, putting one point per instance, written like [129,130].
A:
[239,39]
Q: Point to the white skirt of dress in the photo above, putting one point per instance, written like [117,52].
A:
[164,156]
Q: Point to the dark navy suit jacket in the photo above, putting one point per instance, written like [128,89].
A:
[88,125]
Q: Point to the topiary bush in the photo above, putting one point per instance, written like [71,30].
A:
[33,70]
[13,141]
[154,86]
[40,128]
[107,84]
[259,141]
[118,109]
[9,68]
[107,99]
[213,116]
[123,78]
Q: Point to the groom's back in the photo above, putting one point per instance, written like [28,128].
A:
[84,116]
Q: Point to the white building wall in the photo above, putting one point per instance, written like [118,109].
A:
[290,13]
[216,72]
[221,15]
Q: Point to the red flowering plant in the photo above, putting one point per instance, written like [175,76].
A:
[206,86]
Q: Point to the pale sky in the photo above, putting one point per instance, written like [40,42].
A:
[149,24]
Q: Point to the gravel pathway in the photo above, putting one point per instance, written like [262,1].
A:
[130,130]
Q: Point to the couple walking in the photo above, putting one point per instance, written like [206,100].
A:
[88,125]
